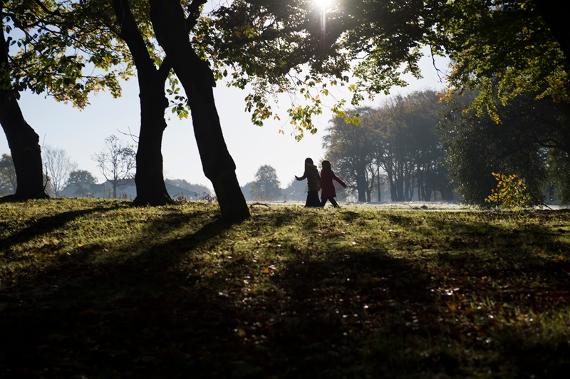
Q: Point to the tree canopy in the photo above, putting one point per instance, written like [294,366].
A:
[502,48]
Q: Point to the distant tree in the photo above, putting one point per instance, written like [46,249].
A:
[409,148]
[190,187]
[559,172]
[117,162]
[7,175]
[350,148]
[81,177]
[181,188]
[266,184]
[475,146]
[81,182]
[398,141]
[295,191]
[57,167]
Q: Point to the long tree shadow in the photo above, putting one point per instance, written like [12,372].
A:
[47,224]
[137,316]
[336,305]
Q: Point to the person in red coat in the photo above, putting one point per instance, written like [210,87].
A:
[328,192]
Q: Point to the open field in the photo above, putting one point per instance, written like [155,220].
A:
[94,288]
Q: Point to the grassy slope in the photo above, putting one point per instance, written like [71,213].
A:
[101,289]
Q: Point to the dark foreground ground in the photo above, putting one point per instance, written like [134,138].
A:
[99,289]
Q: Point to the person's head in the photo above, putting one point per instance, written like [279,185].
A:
[308,161]
[326,165]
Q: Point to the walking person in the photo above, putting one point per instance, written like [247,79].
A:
[328,192]
[313,183]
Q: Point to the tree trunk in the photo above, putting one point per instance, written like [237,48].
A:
[22,139]
[361,185]
[197,79]
[149,177]
[379,187]
[25,150]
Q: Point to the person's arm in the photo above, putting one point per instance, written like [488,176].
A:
[339,180]
[302,177]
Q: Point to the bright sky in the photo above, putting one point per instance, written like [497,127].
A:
[81,133]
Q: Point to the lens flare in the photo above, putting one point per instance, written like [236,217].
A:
[323,4]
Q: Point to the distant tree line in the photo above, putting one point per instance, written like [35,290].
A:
[397,146]
[531,140]
[116,163]
[426,147]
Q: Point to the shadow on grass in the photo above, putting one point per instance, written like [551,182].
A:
[47,224]
[334,306]
[182,308]
[136,318]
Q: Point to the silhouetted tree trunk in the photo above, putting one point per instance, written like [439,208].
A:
[379,187]
[22,139]
[149,177]
[197,79]
[361,185]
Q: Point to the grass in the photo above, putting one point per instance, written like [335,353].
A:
[93,288]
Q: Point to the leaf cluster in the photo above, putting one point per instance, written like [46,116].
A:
[510,192]
[51,52]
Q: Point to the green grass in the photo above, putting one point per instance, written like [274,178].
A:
[93,288]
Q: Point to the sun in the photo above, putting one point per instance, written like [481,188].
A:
[323,4]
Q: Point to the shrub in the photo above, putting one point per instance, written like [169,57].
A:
[510,192]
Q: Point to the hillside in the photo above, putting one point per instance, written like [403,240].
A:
[97,288]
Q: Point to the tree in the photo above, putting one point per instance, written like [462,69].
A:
[266,184]
[116,162]
[80,182]
[350,149]
[399,140]
[7,175]
[171,30]
[409,149]
[149,177]
[501,48]
[42,51]
[476,146]
[295,191]
[504,49]
[58,166]
[559,172]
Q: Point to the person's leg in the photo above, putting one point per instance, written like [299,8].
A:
[333,202]
[323,201]
[313,199]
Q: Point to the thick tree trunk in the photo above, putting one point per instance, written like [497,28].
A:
[22,139]
[149,177]
[197,79]
[25,150]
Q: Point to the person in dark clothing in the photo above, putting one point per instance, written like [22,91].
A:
[313,183]
[328,192]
